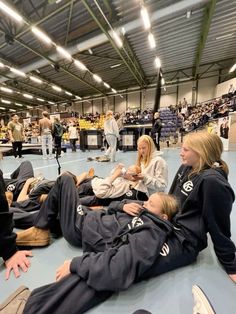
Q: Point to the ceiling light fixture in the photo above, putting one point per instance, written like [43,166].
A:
[80,65]
[115,65]
[90,51]
[51,102]
[2,108]
[36,80]
[145,17]
[28,96]
[117,39]
[233,68]
[77,97]
[188,14]
[63,52]
[5,89]
[114,91]
[19,105]
[57,88]
[5,101]
[107,85]
[18,72]
[12,110]
[163,81]
[68,93]
[1,65]
[97,78]
[151,41]
[10,12]
[41,35]
[29,107]
[158,62]
[40,99]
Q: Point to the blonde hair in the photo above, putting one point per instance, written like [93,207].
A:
[109,114]
[209,148]
[169,204]
[151,148]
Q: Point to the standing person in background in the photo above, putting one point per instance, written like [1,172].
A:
[57,133]
[111,132]
[156,130]
[73,136]
[16,133]
[45,128]
[154,173]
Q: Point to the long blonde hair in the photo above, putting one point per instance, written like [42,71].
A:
[209,148]
[151,148]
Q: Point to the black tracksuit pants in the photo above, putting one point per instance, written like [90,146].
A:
[18,178]
[72,294]
[17,148]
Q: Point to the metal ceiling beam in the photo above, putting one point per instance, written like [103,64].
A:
[133,66]
[206,23]
[63,68]
[69,22]
[40,21]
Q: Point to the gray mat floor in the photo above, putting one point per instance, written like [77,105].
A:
[166,294]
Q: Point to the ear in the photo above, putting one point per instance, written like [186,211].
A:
[164,216]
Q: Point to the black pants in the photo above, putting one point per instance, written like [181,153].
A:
[57,142]
[72,294]
[18,178]
[17,148]
[73,144]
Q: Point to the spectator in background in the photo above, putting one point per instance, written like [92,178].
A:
[16,133]
[57,133]
[111,132]
[156,130]
[45,128]
[231,89]
[73,136]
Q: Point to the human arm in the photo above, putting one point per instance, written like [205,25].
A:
[217,205]
[155,176]
[24,192]
[10,130]
[14,259]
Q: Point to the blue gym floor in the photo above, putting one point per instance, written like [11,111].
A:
[166,294]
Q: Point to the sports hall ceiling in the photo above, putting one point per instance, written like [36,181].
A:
[194,38]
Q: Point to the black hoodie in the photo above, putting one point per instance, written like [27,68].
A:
[206,202]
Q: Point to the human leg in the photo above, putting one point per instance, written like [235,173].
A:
[20,149]
[112,142]
[14,149]
[49,141]
[44,146]
[62,202]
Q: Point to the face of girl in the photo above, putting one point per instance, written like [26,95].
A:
[154,204]
[143,149]
[189,157]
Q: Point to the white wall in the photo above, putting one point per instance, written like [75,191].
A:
[134,100]
[185,91]
[223,88]
[206,88]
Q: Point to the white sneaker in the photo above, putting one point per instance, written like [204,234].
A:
[201,304]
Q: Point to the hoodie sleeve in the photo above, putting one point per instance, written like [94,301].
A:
[118,267]
[7,237]
[158,179]
[217,206]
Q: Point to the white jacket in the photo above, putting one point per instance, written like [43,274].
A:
[155,176]
[111,127]
[104,188]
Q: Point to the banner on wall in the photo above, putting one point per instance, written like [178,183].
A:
[53,116]
[223,131]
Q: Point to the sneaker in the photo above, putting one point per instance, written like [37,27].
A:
[15,303]
[33,237]
[89,159]
[201,303]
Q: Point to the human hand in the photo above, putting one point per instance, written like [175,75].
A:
[16,261]
[233,277]
[63,270]
[132,209]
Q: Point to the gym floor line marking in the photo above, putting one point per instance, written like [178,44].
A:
[51,165]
